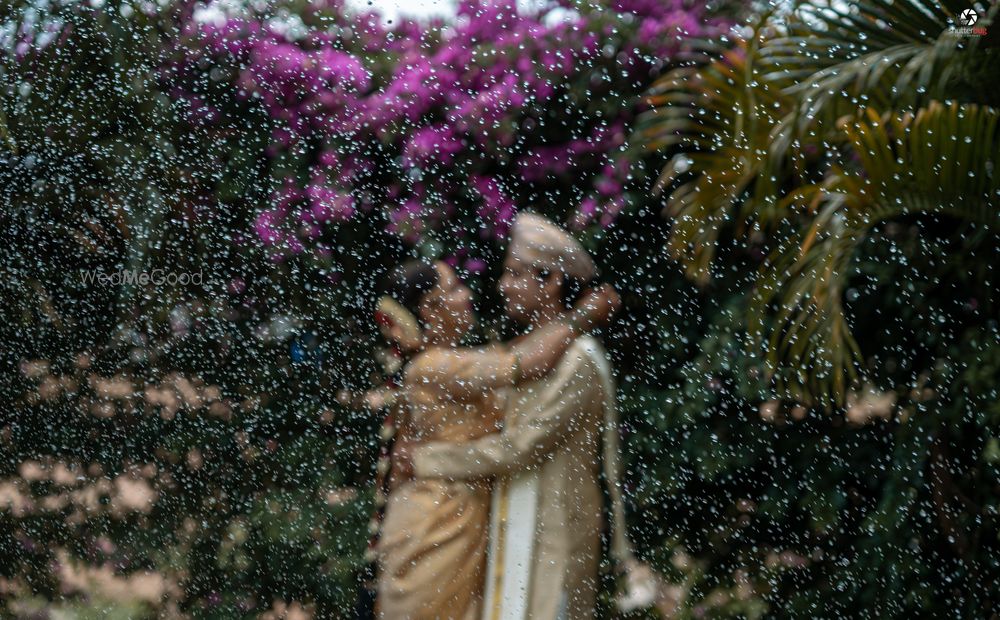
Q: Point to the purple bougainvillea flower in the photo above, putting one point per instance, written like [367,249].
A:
[427,124]
[434,144]
[475,265]
[266,226]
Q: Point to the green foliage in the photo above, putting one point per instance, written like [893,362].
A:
[822,124]
[749,503]
[851,146]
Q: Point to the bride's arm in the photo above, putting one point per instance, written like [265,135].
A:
[467,373]
[540,351]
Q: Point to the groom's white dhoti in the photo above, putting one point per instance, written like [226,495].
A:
[547,503]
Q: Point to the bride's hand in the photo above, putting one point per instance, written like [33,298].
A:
[375,400]
[402,461]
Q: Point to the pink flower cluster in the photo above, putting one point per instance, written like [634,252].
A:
[429,123]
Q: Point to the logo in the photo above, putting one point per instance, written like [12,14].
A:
[155,277]
[966,25]
[968,18]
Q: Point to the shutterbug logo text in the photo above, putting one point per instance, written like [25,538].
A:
[966,25]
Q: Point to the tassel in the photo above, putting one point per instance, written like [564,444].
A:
[642,585]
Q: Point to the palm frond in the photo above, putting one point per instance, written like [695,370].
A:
[889,54]
[718,129]
[808,346]
[794,106]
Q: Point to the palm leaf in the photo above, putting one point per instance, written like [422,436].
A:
[794,106]
[803,282]
[888,54]
[719,129]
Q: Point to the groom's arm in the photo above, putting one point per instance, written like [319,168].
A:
[551,421]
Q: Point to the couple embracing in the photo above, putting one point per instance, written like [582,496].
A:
[495,509]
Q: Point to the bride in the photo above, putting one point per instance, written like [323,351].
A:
[433,543]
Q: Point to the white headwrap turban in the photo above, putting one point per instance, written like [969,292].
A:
[543,245]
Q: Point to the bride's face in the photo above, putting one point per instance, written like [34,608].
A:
[447,309]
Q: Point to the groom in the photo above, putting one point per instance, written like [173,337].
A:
[547,502]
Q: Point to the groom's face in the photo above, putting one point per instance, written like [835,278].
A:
[524,290]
